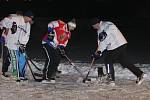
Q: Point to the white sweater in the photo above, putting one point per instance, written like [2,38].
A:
[114,38]
[22,34]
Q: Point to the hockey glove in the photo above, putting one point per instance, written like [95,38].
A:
[51,35]
[22,48]
[96,55]
[62,50]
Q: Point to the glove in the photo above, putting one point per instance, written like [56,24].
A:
[51,34]
[96,55]
[22,48]
[62,50]
[50,37]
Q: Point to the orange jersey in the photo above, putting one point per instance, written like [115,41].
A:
[62,35]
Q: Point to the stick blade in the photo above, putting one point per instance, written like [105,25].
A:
[84,80]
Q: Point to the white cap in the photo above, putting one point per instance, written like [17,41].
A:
[72,24]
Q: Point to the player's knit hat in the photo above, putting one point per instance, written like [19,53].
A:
[95,20]
[72,23]
[29,14]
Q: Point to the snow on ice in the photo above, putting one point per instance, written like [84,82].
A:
[125,88]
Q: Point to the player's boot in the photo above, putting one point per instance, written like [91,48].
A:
[140,79]
[110,80]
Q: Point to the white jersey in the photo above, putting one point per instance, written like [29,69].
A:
[114,38]
[21,36]
[5,23]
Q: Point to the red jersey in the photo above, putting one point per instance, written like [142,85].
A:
[62,35]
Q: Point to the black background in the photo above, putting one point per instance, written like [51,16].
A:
[132,17]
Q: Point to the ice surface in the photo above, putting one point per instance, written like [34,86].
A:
[125,88]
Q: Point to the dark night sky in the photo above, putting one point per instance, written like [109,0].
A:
[82,8]
[131,16]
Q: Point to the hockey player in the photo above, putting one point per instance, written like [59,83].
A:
[4,50]
[17,37]
[111,40]
[54,43]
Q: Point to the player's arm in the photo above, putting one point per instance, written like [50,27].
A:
[51,33]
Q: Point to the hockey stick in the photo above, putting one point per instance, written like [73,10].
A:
[39,75]
[84,80]
[71,62]
[38,80]
[33,63]
[27,57]
[73,65]
[36,74]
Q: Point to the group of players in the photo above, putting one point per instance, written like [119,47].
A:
[15,33]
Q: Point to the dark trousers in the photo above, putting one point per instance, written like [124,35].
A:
[52,61]
[120,55]
[6,61]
